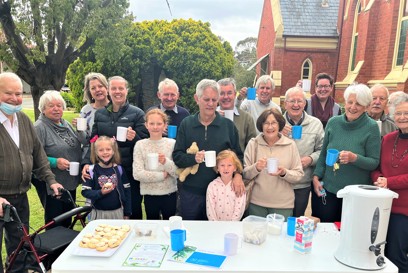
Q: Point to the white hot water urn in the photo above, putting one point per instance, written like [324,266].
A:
[364,223]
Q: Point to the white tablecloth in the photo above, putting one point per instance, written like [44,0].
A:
[276,254]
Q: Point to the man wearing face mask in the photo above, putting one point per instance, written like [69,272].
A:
[21,153]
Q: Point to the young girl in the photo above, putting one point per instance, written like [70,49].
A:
[108,188]
[222,203]
[159,186]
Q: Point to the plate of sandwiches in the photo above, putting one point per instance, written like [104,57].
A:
[103,241]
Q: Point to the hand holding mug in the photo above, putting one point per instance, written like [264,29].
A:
[162,158]
[199,156]
[287,130]
[281,172]
[242,93]
[62,164]
[346,157]
[131,134]
[261,164]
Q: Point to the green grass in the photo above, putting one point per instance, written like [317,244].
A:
[68,115]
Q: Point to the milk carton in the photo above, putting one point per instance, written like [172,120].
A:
[304,234]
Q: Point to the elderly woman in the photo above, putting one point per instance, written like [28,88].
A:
[62,144]
[119,113]
[393,174]
[272,192]
[357,138]
[309,145]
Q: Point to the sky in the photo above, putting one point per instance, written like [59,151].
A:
[232,20]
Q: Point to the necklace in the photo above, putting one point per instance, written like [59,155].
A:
[394,154]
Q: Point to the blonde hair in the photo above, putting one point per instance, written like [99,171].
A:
[158,112]
[112,141]
[231,155]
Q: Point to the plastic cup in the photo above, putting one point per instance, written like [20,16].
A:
[172,131]
[331,156]
[176,222]
[251,93]
[275,223]
[296,132]
[210,159]
[152,161]
[291,226]
[177,239]
[229,114]
[81,124]
[73,168]
[231,244]
[121,133]
[272,165]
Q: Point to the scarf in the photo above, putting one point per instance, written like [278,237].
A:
[317,109]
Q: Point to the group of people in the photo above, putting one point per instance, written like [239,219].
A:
[117,178]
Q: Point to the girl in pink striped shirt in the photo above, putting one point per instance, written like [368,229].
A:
[222,203]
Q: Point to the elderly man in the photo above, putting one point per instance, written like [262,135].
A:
[265,87]
[376,110]
[321,105]
[210,131]
[21,152]
[169,94]
[242,120]
[309,145]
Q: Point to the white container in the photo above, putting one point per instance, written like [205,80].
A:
[364,224]
[255,229]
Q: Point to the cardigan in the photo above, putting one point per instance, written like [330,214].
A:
[17,163]
[361,137]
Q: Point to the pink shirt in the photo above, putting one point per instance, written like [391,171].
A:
[222,203]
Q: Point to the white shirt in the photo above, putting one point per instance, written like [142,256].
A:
[11,128]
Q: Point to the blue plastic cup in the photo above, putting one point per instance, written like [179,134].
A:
[177,239]
[331,156]
[296,132]
[172,131]
[251,93]
[291,224]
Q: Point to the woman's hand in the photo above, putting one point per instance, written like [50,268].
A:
[346,157]
[381,182]
[162,159]
[62,164]
[281,172]
[131,134]
[85,173]
[261,164]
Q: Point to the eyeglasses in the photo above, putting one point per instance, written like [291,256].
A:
[323,86]
[295,101]
[267,124]
[400,114]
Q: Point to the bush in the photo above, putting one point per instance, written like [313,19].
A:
[69,99]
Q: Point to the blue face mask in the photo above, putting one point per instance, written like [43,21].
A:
[9,109]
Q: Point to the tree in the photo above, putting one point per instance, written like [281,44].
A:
[245,51]
[185,50]
[44,37]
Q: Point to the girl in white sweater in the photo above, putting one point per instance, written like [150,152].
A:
[158,186]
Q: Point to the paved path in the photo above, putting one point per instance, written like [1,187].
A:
[28,101]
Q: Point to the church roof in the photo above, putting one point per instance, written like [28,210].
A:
[309,18]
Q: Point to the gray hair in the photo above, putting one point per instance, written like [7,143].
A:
[294,90]
[265,79]
[49,96]
[400,99]
[206,83]
[5,76]
[119,78]
[228,81]
[89,77]
[167,82]
[362,92]
[380,86]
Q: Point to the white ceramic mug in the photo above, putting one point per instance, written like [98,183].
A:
[231,244]
[121,134]
[229,114]
[176,222]
[210,159]
[379,123]
[73,168]
[81,124]
[152,161]
[306,84]
[272,165]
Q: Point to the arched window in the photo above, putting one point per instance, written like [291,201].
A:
[307,69]
[354,42]
[401,39]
